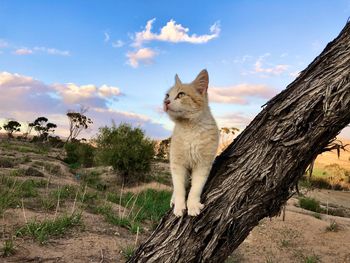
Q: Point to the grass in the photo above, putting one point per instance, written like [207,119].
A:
[310,204]
[128,251]
[122,220]
[93,180]
[317,215]
[311,259]
[12,190]
[42,231]
[333,227]
[285,243]
[6,162]
[38,149]
[150,204]
[17,172]
[8,248]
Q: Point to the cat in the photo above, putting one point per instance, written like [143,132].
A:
[194,142]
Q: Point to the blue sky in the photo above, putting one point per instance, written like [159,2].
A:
[57,55]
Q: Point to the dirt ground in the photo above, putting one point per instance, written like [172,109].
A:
[300,238]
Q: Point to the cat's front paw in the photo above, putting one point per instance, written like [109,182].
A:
[179,209]
[194,207]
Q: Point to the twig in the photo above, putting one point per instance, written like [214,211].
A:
[24,212]
[102,256]
[120,199]
[83,197]
[75,201]
[137,235]
[58,203]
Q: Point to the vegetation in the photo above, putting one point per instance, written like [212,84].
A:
[79,154]
[78,122]
[11,127]
[42,231]
[333,227]
[126,149]
[43,128]
[310,204]
[8,248]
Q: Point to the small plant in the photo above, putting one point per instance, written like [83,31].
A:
[6,162]
[42,231]
[285,243]
[333,227]
[317,215]
[8,248]
[310,204]
[128,251]
[311,259]
[92,179]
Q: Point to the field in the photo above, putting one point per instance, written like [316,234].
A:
[50,212]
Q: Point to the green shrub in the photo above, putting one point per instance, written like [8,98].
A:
[127,150]
[6,162]
[310,204]
[79,154]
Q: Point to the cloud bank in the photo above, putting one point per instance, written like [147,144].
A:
[27,98]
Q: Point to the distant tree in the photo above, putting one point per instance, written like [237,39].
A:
[11,127]
[163,148]
[43,127]
[29,129]
[78,122]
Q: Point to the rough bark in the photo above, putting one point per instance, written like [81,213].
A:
[258,172]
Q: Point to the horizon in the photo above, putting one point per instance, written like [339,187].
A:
[119,59]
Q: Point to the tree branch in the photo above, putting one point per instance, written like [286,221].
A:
[258,172]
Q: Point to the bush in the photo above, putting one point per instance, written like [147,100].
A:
[79,154]
[127,150]
[6,162]
[310,204]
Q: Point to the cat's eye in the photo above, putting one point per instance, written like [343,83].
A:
[166,96]
[180,95]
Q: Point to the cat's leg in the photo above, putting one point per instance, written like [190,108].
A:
[199,177]
[179,173]
[187,188]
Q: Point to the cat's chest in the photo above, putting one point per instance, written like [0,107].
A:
[187,143]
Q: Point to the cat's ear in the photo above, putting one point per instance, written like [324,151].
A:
[177,80]
[202,81]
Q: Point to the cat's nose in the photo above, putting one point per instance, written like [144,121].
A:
[166,102]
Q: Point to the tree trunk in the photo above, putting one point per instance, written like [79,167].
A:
[259,171]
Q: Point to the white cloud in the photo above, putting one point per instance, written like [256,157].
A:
[243,59]
[52,51]
[239,94]
[274,70]
[107,37]
[3,43]
[144,55]
[86,94]
[23,51]
[117,44]
[173,32]
[27,98]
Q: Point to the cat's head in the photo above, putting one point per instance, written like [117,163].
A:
[187,101]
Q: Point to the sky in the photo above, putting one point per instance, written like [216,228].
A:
[118,58]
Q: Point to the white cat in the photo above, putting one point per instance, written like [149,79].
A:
[194,141]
